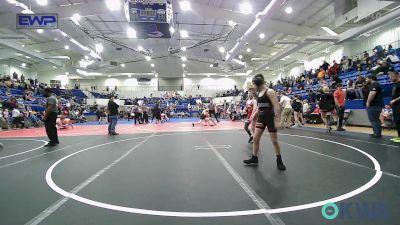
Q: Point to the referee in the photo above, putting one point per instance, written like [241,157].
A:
[50,117]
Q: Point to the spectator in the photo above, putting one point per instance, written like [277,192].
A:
[374,105]
[359,85]
[395,103]
[386,115]
[326,105]
[383,68]
[340,103]
[286,117]
[112,110]
[392,58]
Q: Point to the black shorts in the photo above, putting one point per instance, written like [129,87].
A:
[266,119]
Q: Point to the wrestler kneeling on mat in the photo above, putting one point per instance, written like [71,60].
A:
[267,108]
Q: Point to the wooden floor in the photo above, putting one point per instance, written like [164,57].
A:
[367,130]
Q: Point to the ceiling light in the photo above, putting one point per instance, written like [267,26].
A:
[54,67]
[289,10]
[184,34]
[329,31]
[240,57]
[184,49]
[231,23]
[113,5]
[208,75]
[185,6]
[172,30]
[183,75]
[131,32]
[274,53]
[41,2]
[76,17]
[184,58]
[248,50]
[148,58]
[23,64]
[262,35]
[122,65]
[156,75]
[152,65]
[23,46]
[226,75]
[221,49]
[245,8]
[28,57]
[183,65]
[66,47]
[211,65]
[40,31]
[67,73]
[129,76]
[140,48]
[99,48]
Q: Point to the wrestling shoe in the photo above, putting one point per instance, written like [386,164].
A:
[253,161]
[251,139]
[279,163]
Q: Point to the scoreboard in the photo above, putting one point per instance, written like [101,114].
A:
[151,18]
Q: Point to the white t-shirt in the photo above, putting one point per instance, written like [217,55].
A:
[285,102]
[15,113]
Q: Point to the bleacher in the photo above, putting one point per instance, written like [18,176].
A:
[38,102]
[383,79]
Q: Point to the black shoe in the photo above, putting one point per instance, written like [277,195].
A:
[375,136]
[253,161]
[251,139]
[50,144]
[340,129]
[115,133]
[193,124]
[279,163]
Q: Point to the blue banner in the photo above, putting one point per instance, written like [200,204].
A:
[37,21]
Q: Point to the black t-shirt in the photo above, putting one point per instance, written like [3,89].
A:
[396,92]
[378,99]
[326,102]
[113,108]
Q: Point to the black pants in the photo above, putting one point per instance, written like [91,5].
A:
[138,117]
[396,117]
[340,114]
[51,129]
[212,112]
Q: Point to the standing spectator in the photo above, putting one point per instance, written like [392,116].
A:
[340,103]
[112,110]
[50,117]
[297,106]
[286,116]
[212,109]
[326,105]
[394,76]
[374,105]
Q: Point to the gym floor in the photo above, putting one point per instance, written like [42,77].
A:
[176,174]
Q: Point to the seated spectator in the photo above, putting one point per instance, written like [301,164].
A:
[334,70]
[359,87]
[392,58]
[321,74]
[351,92]
[383,68]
